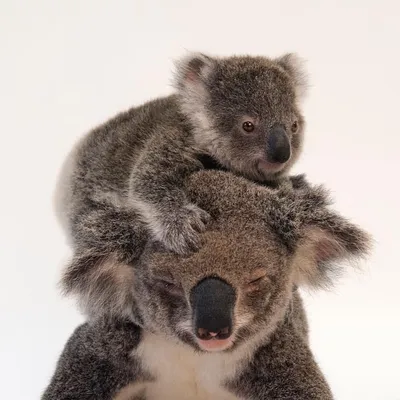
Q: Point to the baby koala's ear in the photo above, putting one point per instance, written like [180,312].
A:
[192,69]
[326,240]
[294,66]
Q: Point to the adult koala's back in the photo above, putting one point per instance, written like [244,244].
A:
[225,322]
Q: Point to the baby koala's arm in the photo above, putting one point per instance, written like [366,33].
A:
[293,182]
[156,191]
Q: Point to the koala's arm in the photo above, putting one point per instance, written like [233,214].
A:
[96,362]
[293,182]
[103,230]
[284,369]
[299,182]
[156,191]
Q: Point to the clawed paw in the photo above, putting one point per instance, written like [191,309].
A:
[181,230]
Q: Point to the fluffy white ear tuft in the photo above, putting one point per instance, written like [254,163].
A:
[324,246]
[295,67]
[103,285]
[192,69]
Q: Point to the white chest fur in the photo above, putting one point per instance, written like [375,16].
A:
[181,373]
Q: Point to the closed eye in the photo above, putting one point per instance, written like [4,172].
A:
[259,278]
[169,285]
[166,282]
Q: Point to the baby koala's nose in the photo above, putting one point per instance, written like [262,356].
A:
[278,150]
[204,334]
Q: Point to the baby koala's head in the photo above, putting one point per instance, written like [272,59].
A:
[245,110]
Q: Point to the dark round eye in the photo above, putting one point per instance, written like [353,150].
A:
[248,126]
[295,127]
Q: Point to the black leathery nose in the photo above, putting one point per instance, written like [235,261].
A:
[213,301]
[278,149]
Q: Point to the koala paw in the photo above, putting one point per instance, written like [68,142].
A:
[180,230]
[299,182]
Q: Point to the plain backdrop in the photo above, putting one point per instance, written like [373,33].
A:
[67,66]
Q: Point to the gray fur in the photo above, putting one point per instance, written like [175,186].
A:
[96,362]
[291,236]
[136,163]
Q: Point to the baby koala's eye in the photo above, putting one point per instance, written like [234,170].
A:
[295,127]
[248,126]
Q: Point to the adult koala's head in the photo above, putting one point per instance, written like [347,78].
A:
[260,245]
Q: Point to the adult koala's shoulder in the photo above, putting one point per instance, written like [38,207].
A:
[243,112]
[96,361]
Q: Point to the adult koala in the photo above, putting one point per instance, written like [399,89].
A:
[225,322]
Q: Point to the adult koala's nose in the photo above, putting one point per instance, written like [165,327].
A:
[278,145]
[212,301]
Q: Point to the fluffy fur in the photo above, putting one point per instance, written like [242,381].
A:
[136,163]
[263,242]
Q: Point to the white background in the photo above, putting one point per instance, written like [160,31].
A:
[68,65]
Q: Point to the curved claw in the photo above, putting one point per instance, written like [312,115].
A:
[181,233]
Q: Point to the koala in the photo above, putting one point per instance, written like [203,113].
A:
[226,322]
[241,112]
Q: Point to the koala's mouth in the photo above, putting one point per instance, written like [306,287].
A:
[214,345]
[265,166]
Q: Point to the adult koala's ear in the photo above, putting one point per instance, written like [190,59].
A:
[192,70]
[102,284]
[325,241]
[294,66]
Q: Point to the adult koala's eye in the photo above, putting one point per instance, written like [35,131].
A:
[294,127]
[166,283]
[248,126]
[169,285]
[257,280]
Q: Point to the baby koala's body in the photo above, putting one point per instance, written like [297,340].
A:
[243,112]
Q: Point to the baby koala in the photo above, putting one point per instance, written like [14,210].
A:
[243,112]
